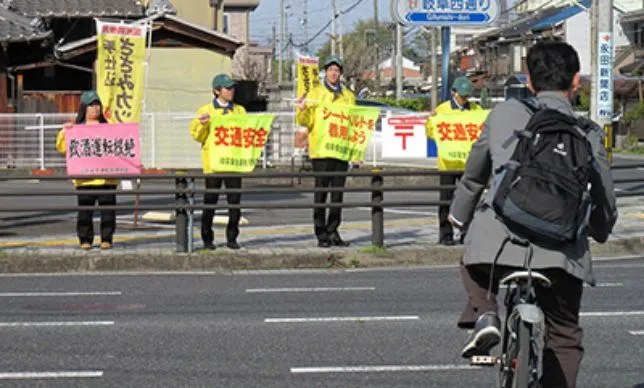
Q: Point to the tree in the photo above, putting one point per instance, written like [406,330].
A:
[359,53]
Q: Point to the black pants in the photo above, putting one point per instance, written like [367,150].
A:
[84,223]
[232,230]
[560,303]
[324,228]
[445,229]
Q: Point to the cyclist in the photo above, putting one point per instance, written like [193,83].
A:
[554,78]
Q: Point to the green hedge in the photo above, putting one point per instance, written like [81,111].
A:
[420,104]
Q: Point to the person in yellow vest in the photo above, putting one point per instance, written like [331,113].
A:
[461,91]
[224,91]
[330,91]
[90,112]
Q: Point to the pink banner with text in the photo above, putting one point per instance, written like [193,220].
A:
[103,149]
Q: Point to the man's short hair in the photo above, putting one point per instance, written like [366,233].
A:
[552,65]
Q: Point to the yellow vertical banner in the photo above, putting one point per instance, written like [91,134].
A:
[308,75]
[120,70]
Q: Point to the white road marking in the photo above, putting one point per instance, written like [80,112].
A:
[17,294]
[402,211]
[309,289]
[56,324]
[48,375]
[383,368]
[611,313]
[637,332]
[598,285]
[342,319]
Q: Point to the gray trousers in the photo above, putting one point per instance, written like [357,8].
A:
[560,303]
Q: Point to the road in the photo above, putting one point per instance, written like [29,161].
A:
[360,328]
[38,223]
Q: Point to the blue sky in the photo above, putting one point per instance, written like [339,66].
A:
[319,11]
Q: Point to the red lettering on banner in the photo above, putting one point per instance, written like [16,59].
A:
[445,131]
[334,130]
[473,131]
[249,137]
[236,137]
[221,136]
[260,137]
[459,132]
[344,132]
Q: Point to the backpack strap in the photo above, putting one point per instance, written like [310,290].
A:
[534,106]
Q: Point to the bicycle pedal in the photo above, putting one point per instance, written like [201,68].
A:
[483,360]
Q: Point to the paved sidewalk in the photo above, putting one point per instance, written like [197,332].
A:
[409,234]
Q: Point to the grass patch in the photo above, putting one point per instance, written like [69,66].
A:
[217,252]
[632,151]
[354,262]
[373,249]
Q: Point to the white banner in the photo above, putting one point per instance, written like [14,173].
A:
[404,137]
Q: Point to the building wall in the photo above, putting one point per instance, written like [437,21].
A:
[578,32]
[180,79]
[195,11]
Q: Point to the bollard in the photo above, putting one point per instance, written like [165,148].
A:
[191,215]
[377,214]
[181,220]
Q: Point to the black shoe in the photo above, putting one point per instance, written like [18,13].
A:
[447,241]
[232,245]
[209,245]
[324,243]
[486,335]
[338,242]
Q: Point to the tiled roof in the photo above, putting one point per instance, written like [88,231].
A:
[16,28]
[78,8]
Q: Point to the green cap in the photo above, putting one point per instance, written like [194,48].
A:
[463,86]
[89,97]
[222,81]
[333,59]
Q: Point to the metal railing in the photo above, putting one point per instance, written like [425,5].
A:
[181,199]
[29,141]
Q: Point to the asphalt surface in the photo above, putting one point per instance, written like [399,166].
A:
[19,225]
[210,330]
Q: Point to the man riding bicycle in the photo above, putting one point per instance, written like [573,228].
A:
[554,78]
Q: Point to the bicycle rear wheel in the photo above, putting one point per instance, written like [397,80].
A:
[523,362]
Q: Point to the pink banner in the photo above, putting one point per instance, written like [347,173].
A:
[104,149]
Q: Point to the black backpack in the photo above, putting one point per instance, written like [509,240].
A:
[542,193]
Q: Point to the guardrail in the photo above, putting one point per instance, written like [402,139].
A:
[182,197]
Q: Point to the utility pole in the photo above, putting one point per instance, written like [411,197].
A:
[601,49]
[305,25]
[376,44]
[340,36]
[289,49]
[273,46]
[445,48]
[333,10]
[434,65]
[279,48]
[399,61]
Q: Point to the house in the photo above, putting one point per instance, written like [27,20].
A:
[633,24]
[251,62]
[183,58]
[412,74]
[19,36]
[502,51]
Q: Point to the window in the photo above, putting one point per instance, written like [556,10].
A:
[226,28]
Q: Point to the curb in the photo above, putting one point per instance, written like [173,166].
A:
[227,261]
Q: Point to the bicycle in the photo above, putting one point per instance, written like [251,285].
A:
[522,332]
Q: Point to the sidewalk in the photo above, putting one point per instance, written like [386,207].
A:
[410,241]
